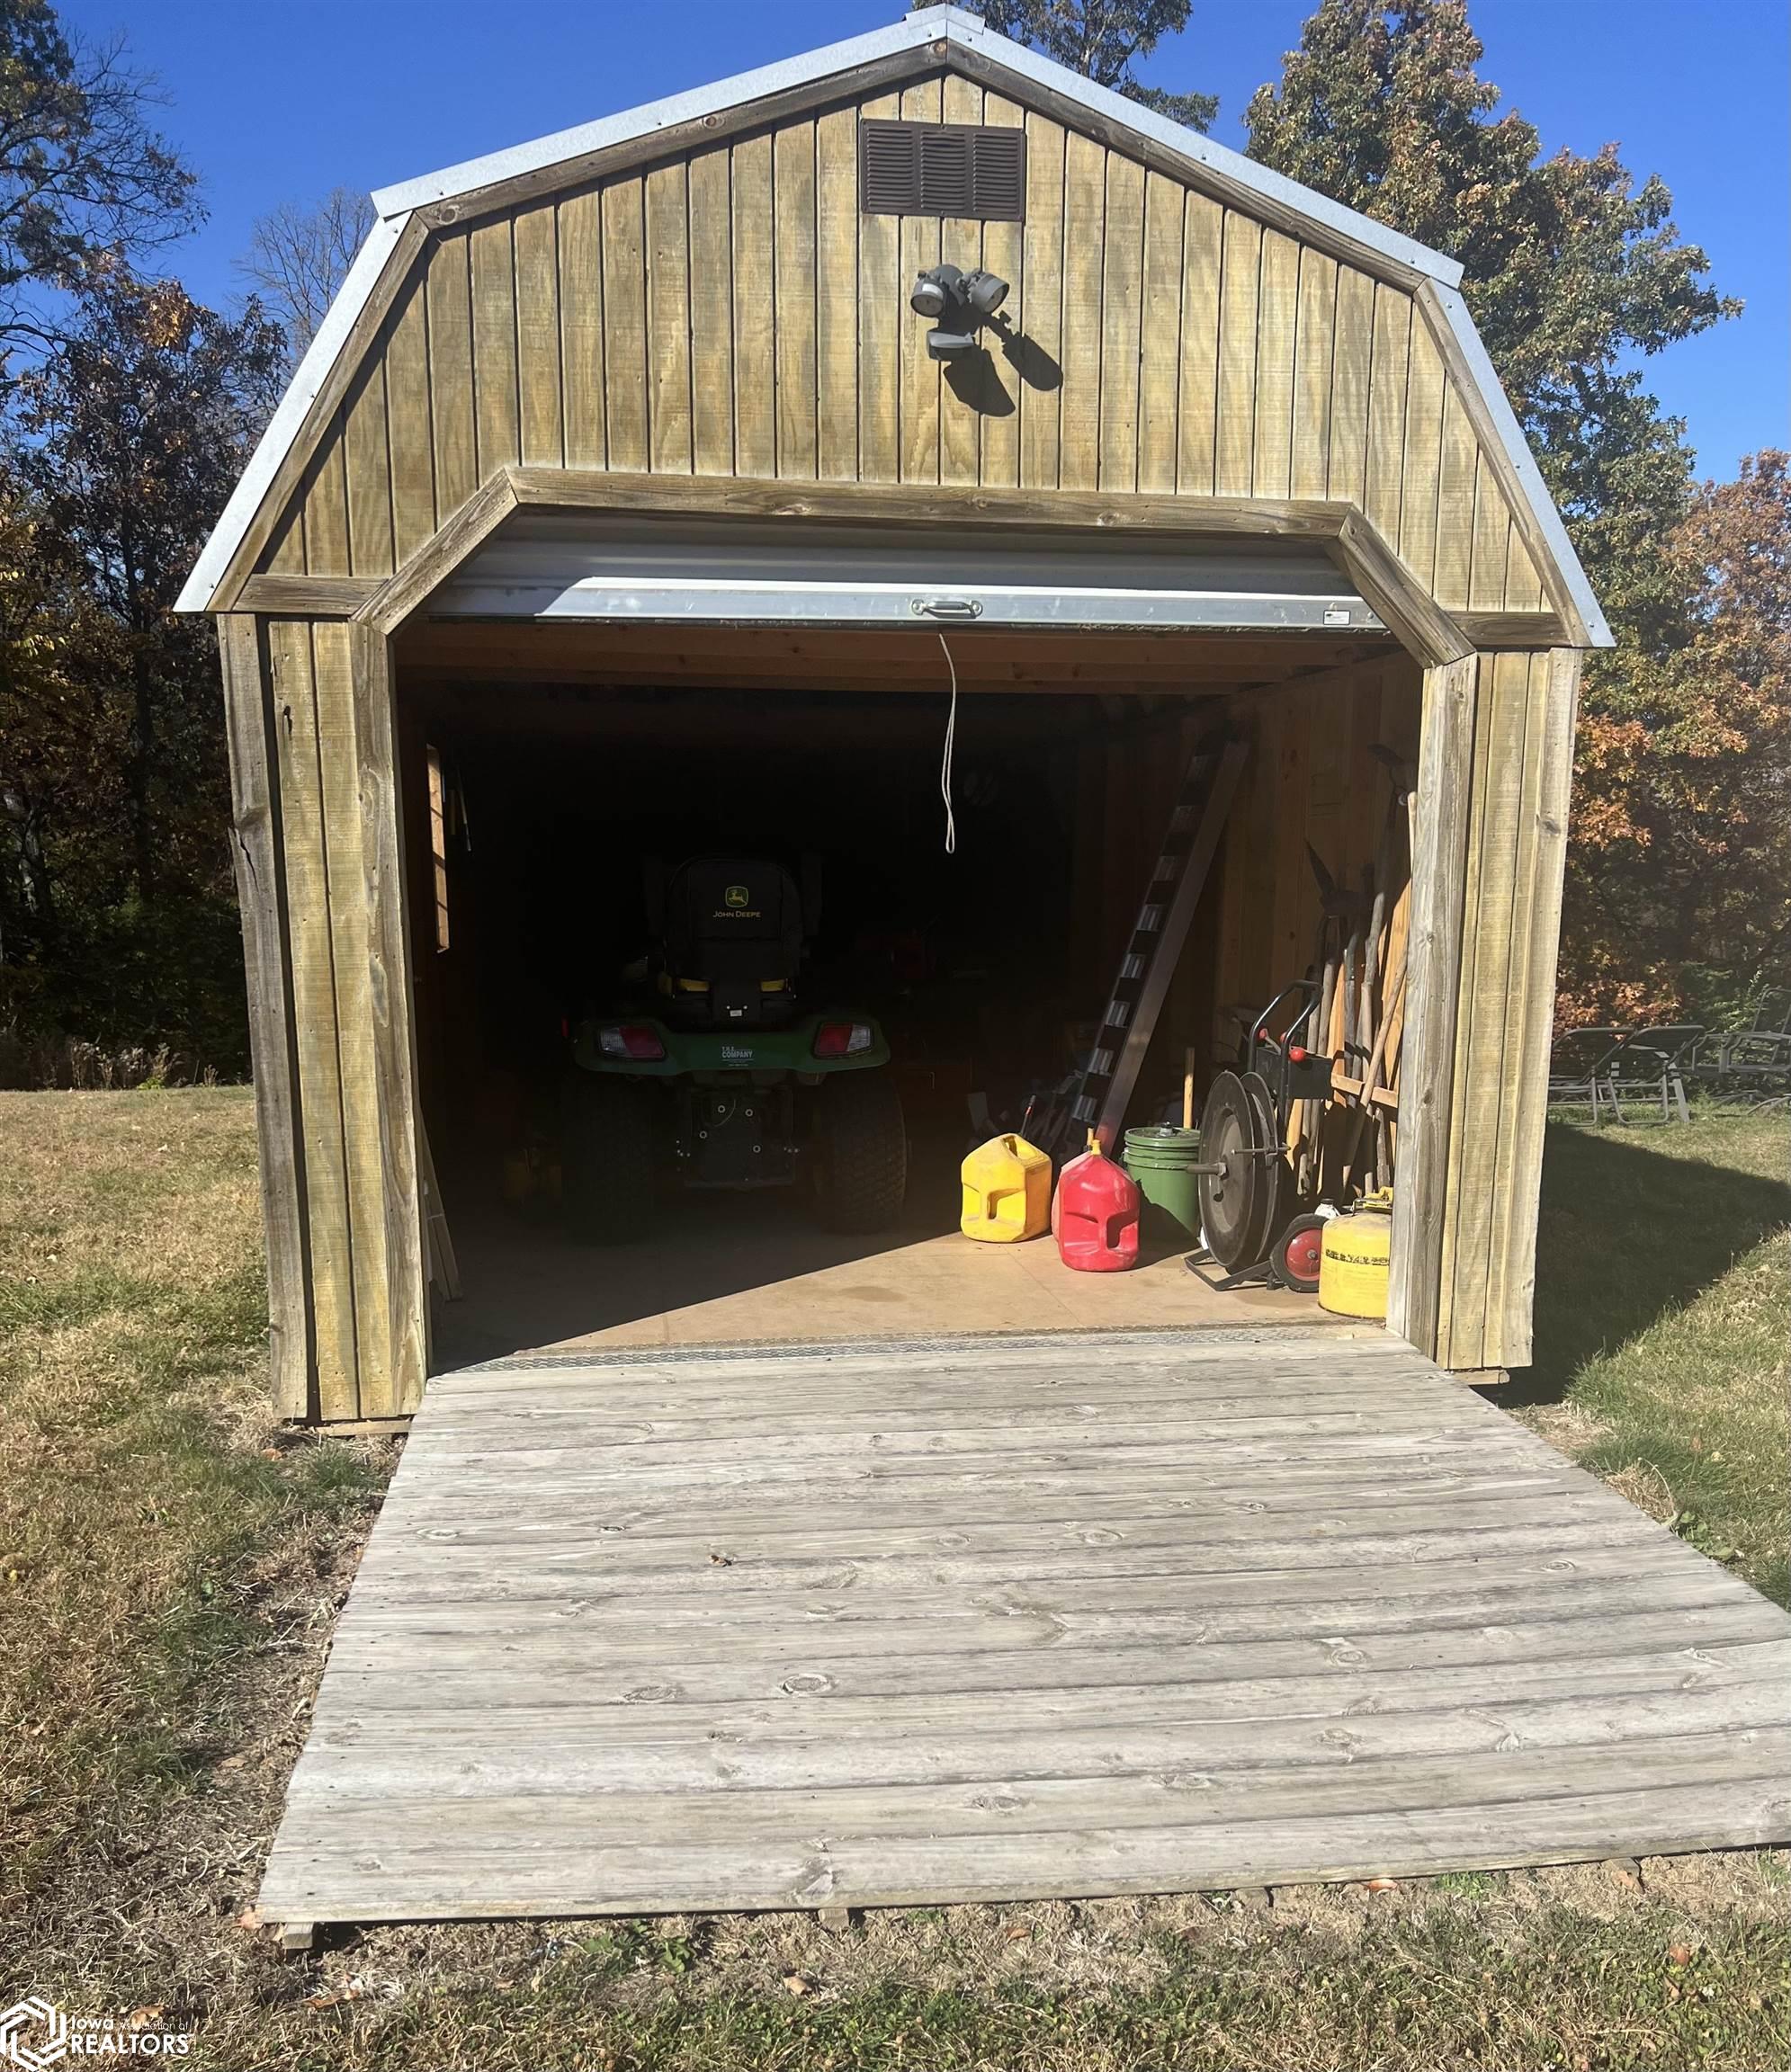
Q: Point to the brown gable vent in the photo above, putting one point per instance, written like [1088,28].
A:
[942,169]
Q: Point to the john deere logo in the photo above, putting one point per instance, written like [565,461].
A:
[738,896]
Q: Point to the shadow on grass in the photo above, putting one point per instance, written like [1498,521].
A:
[1626,1236]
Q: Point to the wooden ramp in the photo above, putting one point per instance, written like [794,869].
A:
[1005,1619]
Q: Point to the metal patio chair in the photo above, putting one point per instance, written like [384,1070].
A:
[1651,1063]
[1750,1066]
[1578,1060]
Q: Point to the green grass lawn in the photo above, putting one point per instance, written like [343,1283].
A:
[1663,1315]
[171,1563]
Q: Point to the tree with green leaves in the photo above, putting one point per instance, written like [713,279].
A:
[1574,271]
[83,176]
[1572,268]
[1103,39]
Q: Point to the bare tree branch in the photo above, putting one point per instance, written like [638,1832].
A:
[297,256]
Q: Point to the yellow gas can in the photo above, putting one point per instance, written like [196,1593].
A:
[1353,1264]
[1007,1185]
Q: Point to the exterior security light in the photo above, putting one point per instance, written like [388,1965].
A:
[957,304]
[936,291]
[985,292]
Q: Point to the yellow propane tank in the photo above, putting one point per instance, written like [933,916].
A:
[1353,1263]
[1006,1187]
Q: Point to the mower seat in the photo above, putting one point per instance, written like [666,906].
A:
[733,939]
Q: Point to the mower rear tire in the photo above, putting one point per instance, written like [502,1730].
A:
[610,1161]
[861,1153]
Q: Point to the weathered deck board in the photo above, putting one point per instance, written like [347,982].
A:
[1004,1620]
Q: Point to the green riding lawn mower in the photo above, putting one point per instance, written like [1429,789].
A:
[712,1072]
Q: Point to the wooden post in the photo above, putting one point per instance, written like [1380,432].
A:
[394,1021]
[1512,1300]
[1433,965]
[261,896]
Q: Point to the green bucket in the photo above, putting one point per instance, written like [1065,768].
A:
[1161,1160]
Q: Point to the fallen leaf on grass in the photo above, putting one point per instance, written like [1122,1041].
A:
[339,1996]
[1017,1932]
[1678,1953]
[248,1921]
[794,1982]
[1383,1885]
[141,2017]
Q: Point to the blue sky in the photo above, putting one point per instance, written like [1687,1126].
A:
[281,100]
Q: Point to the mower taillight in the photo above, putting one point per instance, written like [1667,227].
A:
[842,1039]
[633,1039]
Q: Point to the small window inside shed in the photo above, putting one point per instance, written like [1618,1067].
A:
[438,846]
[957,169]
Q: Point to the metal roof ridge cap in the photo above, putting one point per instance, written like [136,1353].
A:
[1524,463]
[627,124]
[289,416]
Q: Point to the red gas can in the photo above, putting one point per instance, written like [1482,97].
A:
[1094,1215]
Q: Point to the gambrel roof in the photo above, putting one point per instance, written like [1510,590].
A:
[937,38]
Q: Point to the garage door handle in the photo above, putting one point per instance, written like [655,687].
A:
[945,607]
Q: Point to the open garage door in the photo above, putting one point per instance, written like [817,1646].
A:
[736,572]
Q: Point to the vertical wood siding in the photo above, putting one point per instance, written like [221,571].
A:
[730,312]
[1516,837]
[331,767]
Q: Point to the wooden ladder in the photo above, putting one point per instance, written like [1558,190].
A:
[1106,1081]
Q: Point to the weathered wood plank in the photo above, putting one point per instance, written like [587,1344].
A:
[666,222]
[754,325]
[624,310]
[712,314]
[537,375]
[1277,323]
[1122,305]
[793,288]
[392,1028]
[1352,355]
[836,294]
[882,299]
[1380,499]
[581,329]
[314,1012]
[1197,402]
[1547,838]
[367,463]
[963,384]
[449,294]
[919,378]
[1004,253]
[1040,395]
[496,409]
[410,456]
[351,952]
[1315,348]
[1084,260]
[256,852]
[1427,1069]
[1240,269]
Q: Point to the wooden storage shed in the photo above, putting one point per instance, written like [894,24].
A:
[628,437]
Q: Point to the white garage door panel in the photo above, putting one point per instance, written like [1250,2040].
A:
[790,573]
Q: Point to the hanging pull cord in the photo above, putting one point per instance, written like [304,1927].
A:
[946,762]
